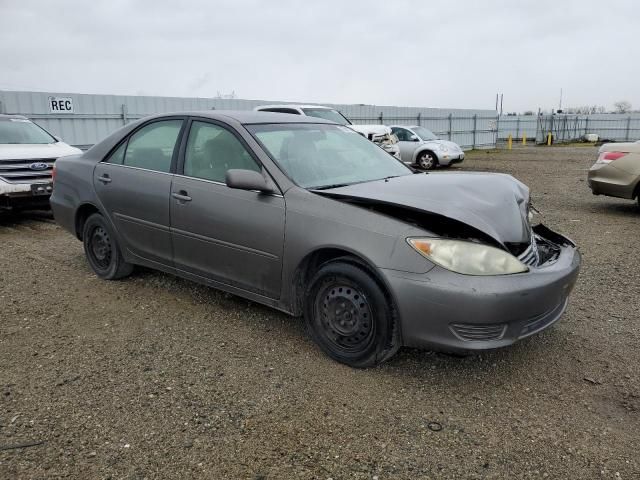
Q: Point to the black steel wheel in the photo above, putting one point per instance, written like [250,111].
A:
[102,250]
[427,160]
[349,316]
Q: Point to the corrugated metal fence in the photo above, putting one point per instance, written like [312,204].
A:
[96,116]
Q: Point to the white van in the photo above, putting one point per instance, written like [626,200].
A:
[381,135]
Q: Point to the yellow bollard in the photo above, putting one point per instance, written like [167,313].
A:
[524,139]
[549,138]
[509,142]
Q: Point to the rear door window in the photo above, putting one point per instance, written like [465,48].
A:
[152,146]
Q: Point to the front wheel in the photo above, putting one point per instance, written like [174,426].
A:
[102,250]
[348,315]
[427,160]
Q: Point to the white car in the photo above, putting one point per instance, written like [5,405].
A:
[27,154]
[381,135]
[419,146]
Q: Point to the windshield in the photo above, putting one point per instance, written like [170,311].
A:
[327,114]
[22,131]
[425,133]
[326,156]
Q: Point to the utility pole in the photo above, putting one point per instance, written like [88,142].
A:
[560,105]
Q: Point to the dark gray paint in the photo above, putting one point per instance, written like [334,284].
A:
[254,244]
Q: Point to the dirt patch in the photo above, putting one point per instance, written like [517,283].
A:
[157,377]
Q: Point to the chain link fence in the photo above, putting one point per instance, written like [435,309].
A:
[569,128]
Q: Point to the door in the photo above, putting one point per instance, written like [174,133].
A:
[406,145]
[134,186]
[231,236]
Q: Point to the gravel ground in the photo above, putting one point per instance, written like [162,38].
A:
[156,377]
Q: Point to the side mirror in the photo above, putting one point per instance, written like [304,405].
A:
[414,138]
[247,180]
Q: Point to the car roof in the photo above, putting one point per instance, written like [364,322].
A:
[247,117]
[295,105]
[8,117]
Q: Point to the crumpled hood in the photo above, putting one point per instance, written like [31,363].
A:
[494,203]
[36,151]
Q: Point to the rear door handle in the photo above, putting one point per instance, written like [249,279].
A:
[182,195]
[104,178]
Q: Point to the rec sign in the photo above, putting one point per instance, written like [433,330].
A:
[60,105]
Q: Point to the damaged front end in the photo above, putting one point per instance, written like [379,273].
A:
[537,246]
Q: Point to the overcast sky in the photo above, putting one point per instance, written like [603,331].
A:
[448,53]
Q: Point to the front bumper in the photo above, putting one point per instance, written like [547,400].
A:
[611,181]
[443,310]
[25,195]
[450,158]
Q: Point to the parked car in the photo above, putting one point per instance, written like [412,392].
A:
[374,254]
[419,146]
[27,153]
[616,173]
[381,135]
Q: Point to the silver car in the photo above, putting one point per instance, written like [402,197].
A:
[419,146]
[309,217]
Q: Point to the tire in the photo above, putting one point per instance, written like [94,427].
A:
[349,316]
[102,249]
[427,160]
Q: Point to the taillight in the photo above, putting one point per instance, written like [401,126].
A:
[608,157]
[53,173]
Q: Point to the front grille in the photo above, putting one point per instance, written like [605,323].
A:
[530,256]
[21,171]
[540,252]
[471,332]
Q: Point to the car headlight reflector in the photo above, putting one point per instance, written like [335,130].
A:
[467,258]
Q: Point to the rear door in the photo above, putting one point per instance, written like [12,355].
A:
[230,236]
[134,185]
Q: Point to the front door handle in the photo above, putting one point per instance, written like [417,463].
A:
[182,195]
[104,178]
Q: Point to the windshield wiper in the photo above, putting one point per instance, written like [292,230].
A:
[327,187]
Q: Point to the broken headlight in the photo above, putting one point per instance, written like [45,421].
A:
[468,258]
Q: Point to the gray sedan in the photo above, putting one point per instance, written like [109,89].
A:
[309,217]
[419,146]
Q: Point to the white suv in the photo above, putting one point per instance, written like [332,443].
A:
[381,135]
[27,154]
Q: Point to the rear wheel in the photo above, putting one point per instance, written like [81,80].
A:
[349,316]
[427,160]
[102,250]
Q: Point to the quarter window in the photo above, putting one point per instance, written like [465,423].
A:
[152,146]
[212,150]
[117,157]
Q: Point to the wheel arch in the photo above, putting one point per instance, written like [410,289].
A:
[83,212]
[323,255]
[636,190]
[420,151]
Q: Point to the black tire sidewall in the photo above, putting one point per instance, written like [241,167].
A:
[97,220]
[381,313]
